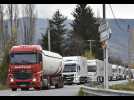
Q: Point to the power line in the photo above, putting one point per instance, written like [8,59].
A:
[118,25]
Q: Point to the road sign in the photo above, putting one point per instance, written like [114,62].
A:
[103,26]
[105,31]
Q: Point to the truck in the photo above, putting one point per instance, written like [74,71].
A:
[96,70]
[92,68]
[115,72]
[122,72]
[75,70]
[32,67]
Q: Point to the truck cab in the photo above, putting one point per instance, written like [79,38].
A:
[115,72]
[25,63]
[71,72]
[75,70]
[92,68]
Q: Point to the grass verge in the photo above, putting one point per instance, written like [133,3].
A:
[126,87]
[3,87]
[81,93]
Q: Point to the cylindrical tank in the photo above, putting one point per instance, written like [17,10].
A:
[52,63]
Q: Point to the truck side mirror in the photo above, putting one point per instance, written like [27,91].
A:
[40,58]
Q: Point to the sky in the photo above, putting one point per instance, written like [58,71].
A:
[120,10]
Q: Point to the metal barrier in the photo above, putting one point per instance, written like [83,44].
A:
[89,91]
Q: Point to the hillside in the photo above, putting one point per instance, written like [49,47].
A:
[118,43]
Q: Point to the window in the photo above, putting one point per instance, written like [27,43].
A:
[24,58]
[70,68]
[91,68]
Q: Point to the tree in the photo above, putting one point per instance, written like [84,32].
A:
[85,28]
[1,26]
[44,41]
[57,32]
[29,22]
[12,14]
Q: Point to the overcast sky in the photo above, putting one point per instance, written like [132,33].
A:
[120,10]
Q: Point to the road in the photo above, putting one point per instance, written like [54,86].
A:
[118,82]
[68,90]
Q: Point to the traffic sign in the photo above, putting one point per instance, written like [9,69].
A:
[105,31]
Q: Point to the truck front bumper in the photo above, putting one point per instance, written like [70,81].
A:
[24,84]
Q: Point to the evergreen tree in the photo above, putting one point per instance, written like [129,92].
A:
[85,28]
[57,32]
[44,41]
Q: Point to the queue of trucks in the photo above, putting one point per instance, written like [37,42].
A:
[32,67]
[92,70]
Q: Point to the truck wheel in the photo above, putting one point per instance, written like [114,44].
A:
[14,89]
[37,88]
[45,86]
[117,78]
[56,86]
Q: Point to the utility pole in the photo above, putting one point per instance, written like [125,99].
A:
[90,42]
[49,44]
[105,54]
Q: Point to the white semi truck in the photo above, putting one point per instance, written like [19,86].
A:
[75,70]
[115,72]
[122,72]
[92,68]
[96,70]
[100,70]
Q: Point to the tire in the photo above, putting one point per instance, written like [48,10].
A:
[117,78]
[44,87]
[62,84]
[56,86]
[14,89]
[37,88]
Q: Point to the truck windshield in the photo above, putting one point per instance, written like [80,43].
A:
[23,58]
[91,68]
[70,68]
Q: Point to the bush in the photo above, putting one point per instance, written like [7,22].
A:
[3,87]
[88,55]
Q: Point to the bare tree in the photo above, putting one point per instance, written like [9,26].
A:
[15,22]
[1,25]
[12,13]
[29,22]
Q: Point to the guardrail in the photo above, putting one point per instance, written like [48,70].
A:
[90,91]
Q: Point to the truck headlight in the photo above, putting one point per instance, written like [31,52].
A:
[11,80]
[34,79]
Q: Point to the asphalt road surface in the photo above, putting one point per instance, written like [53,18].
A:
[68,90]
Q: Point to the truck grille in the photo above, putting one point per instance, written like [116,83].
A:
[23,75]
[23,83]
[69,77]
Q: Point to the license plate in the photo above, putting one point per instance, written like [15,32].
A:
[23,85]
[68,79]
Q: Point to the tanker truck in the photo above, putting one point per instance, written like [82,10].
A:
[32,67]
